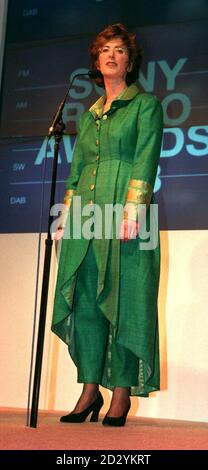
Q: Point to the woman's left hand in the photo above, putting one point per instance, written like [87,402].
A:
[129,230]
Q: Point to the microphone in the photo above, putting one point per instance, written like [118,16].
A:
[94,73]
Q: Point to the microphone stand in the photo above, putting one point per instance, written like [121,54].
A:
[56,129]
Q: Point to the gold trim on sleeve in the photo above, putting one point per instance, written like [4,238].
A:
[68,197]
[139,194]
[67,203]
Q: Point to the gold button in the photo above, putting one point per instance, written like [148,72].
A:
[92,186]
[94,172]
[97,142]
[91,202]
[105,117]
[97,158]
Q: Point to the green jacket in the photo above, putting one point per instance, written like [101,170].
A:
[115,161]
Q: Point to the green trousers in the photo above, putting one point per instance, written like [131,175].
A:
[95,349]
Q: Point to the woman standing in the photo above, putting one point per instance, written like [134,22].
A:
[106,295]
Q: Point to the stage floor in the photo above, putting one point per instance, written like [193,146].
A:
[139,433]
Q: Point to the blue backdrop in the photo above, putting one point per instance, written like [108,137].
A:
[46,45]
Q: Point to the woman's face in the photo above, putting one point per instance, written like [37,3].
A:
[113,59]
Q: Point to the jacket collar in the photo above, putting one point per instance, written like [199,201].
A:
[97,108]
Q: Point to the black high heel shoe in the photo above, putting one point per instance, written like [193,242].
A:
[120,421]
[81,417]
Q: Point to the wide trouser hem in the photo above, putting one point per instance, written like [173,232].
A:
[134,390]
[110,385]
